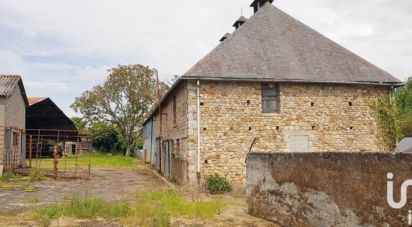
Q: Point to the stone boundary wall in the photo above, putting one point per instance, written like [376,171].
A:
[327,189]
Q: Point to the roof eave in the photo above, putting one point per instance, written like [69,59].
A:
[165,96]
[376,83]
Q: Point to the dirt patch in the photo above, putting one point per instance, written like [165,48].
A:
[108,184]
[116,185]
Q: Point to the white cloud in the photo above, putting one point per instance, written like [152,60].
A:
[12,63]
[172,36]
[44,88]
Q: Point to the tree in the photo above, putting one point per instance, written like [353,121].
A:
[106,137]
[124,100]
[403,97]
[394,114]
[80,124]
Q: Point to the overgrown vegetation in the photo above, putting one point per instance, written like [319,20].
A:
[7,176]
[11,181]
[148,209]
[394,115]
[36,175]
[82,208]
[216,184]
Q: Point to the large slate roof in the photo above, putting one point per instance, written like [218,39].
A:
[273,46]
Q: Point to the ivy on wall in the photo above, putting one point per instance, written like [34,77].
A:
[394,115]
[388,120]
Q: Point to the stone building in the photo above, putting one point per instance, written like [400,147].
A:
[273,85]
[13,102]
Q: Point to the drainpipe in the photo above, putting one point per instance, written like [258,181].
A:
[198,127]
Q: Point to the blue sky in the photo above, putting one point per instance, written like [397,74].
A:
[64,47]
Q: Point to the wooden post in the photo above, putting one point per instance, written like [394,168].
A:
[30,149]
[55,161]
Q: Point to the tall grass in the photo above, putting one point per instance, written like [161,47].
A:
[148,209]
[171,203]
[83,208]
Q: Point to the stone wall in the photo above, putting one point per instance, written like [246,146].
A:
[175,131]
[332,117]
[327,189]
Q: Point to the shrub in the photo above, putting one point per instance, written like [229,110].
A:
[216,184]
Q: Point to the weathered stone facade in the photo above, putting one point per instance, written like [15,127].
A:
[175,135]
[332,117]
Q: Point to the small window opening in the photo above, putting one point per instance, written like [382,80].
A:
[277,128]
[250,128]
[202,103]
[351,127]
[204,129]
[312,104]
[350,104]
[270,98]
[174,111]
[248,102]
[206,161]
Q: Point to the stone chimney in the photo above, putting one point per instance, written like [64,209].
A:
[259,3]
[239,22]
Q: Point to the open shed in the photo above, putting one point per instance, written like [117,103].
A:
[43,113]
[46,125]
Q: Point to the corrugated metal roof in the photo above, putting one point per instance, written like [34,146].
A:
[273,46]
[8,83]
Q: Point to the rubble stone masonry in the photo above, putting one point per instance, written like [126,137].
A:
[331,117]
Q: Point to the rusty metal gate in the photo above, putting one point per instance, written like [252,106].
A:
[59,153]
[12,147]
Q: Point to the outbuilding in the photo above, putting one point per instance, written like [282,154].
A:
[273,85]
[13,102]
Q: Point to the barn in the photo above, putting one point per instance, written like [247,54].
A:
[13,102]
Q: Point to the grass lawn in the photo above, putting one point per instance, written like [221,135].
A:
[98,160]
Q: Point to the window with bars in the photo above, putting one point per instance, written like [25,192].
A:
[270,98]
